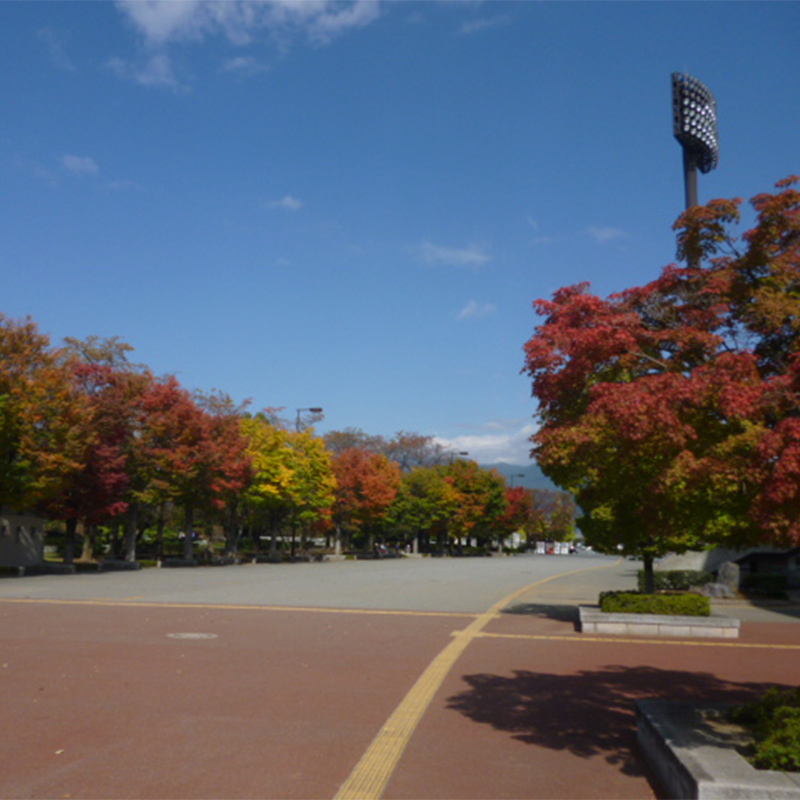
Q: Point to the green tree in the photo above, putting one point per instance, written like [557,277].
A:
[424,503]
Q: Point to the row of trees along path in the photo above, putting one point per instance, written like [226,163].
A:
[90,438]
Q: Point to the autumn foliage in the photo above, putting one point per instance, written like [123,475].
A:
[367,485]
[123,460]
[670,410]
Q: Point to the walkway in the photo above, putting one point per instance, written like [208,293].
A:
[123,696]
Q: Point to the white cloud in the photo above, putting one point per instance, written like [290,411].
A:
[122,185]
[80,165]
[163,21]
[501,441]
[470,256]
[155,70]
[475,310]
[288,203]
[604,234]
[339,17]
[55,41]
[538,239]
[34,169]
[479,25]
[245,66]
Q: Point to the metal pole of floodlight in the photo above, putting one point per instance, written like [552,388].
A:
[300,410]
[694,124]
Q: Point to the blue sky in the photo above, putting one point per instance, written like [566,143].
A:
[354,205]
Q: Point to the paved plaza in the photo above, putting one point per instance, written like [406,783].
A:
[412,678]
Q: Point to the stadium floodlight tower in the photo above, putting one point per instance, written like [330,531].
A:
[694,123]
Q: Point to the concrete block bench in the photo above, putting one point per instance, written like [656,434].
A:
[692,759]
[592,620]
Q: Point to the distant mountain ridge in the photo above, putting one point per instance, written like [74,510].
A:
[532,476]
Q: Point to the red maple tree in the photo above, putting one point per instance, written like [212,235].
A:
[670,410]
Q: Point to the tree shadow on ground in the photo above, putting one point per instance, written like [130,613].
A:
[786,608]
[560,613]
[591,713]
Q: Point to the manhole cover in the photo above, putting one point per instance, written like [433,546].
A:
[192,635]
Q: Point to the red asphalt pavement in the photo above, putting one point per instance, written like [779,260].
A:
[101,700]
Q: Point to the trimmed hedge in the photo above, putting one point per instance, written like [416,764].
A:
[679,580]
[775,723]
[683,605]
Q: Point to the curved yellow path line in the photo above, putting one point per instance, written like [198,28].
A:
[369,778]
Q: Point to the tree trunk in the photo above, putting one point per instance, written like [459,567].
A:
[303,538]
[337,540]
[130,532]
[160,533]
[69,541]
[233,532]
[89,539]
[114,539]
[187,542]
[649,574]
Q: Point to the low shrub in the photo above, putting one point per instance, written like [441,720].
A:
[269,558]
[775,723]
[683,605]
[679,580]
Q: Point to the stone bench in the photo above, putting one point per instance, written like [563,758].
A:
[592,620]
[692,759]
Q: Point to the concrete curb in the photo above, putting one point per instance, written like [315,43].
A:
[692,760]
[594,621]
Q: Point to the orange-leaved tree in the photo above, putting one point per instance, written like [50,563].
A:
[367,484]
[480,500]
[44,420]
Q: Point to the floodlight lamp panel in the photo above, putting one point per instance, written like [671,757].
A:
[695,119]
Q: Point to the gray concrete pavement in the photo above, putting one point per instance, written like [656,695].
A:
[462,585]
[439,585]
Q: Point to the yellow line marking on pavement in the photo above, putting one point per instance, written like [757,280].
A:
[371,775]
[133,603]
[232,607]
[617,640]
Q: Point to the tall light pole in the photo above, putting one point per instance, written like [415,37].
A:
[299,411]
[694,124]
